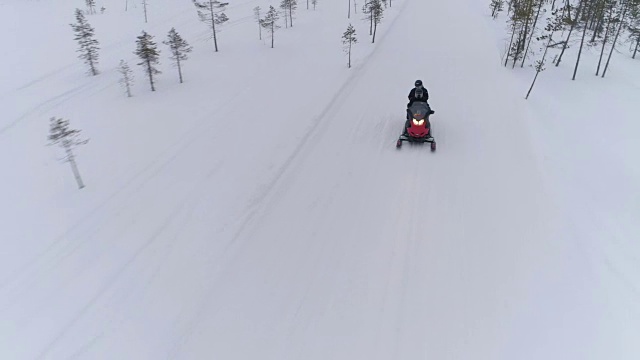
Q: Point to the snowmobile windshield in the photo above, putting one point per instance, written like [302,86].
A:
[420,110]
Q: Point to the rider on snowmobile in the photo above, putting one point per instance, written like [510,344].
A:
[417,94]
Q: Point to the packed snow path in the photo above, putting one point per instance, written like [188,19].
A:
[346,249]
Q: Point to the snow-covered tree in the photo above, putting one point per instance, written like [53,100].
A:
[179,49]
[211,12]
[348,39]
[148,52]
[256,13]
[126,76]
[61,134]
[314,3]
[269,22]
[88,44]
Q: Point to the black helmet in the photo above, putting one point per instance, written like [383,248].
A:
[418,83]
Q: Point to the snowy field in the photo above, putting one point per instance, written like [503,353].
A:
[260,209]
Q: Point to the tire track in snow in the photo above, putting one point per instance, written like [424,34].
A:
[257,206]
[316,130]
[129,189]
[122,269]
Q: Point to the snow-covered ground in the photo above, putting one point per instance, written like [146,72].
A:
[261,210]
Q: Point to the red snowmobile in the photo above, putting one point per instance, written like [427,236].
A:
[418,128]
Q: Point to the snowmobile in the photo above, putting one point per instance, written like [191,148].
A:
[416,129]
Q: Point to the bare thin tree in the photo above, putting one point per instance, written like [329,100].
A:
[126,76]
[256,13]
[144,5]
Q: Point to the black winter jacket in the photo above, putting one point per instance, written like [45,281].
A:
[413,98]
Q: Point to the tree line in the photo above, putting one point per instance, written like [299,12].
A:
[600,24]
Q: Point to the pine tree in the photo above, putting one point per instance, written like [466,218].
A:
[634,27]
[537,5]
[211,12]
[589,13]
[288,7]
[61,134]
[348,39]
[609,27]
[554,24]
[283,7]
[521,18]
[496,7]
[625,4]
[256,13]
[91,6]
[572,22]
[88,44]
[179,49]
[315,2]
[126,76]
[377,12]
[367,9]
[269,22]
[148,52]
